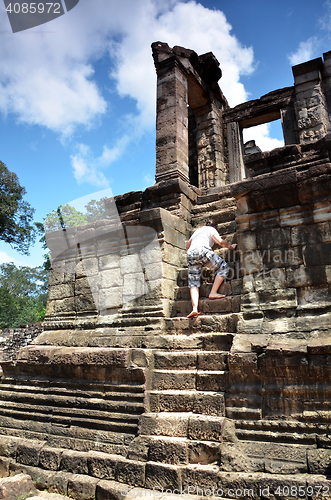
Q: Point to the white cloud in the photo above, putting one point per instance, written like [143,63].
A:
[5,259]
[48,74]
[88,168]
[261,135]
[47,77]
[306,51]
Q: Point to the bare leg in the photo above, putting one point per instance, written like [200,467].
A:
[217,283]
[194,292]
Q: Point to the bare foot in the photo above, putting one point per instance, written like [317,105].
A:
[193,314]
[213,297]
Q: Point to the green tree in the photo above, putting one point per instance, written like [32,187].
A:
[64,216]
[16,215]
[96,210]
[23,294]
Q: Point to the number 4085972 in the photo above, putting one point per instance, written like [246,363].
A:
[34,8]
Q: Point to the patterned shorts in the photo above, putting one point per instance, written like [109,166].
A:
[198,258]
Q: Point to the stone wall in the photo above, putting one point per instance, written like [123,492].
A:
[14,340]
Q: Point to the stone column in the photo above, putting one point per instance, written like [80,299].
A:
[236,160]
[209,136]
[310,105]
[289,126]
[171,122]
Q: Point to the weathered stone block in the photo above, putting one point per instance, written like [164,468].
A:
[204,428]
[212,381]
[199,477]
[8,446]
[130,472]
[111,490]
[203,453]
[61,291]
[5,466]
[170,451]
[209,404]
[28,452]
[162,476]
[50,458]
[212,361]
[176,360]
[179,379]
[83,487]
[74,461]
[319,461]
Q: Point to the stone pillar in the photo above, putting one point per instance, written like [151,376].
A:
[171,121]
[310,106]
[235,147]
[289,125]
[209,136]
[326,83]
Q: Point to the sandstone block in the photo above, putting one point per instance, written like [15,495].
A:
[101,465]
[212,381]
[8,446]
[176,360]
[179,379]
[199,476]
[319,461]
[162,476]
[50,458]
[212,361]
[82,487]
[169,451]
[110,278]
[74,461]
[61,291]
[203,453]
[209,404]
[28,452]
[111,490]
[180,401]
[130,472]
[20,486]
[204,428]
[5,464]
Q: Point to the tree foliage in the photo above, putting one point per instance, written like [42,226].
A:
[23,295]
[68,216]
[63,217]
[16,215]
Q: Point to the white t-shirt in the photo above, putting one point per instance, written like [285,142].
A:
[203,237]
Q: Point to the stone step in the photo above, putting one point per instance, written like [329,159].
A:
[214,206]
[199,480]
[243,413]
[222,216]
[204,402]
[184,360]
[182,425]
[203,324]
[175,450]
[213,380]
[77,388]
[207,306]
[87,405]
[208,276]
[277,437]
[226,228]
[70,417]
[233,287]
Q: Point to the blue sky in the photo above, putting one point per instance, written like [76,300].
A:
[77,95]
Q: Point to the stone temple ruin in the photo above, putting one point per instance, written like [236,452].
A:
[121,390]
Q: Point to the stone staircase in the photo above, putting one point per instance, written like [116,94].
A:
[221,206]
